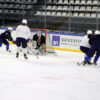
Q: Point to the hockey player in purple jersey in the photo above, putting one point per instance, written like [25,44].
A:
[5,37]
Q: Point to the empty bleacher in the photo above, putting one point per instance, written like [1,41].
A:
[65,15]
[72,10]
[15,9]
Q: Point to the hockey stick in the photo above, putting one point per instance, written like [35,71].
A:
[80,63]
[33,52]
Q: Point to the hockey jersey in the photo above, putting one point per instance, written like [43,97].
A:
[23,31]
[6,35]
[85,42]
[39,41]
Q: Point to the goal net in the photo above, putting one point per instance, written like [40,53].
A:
[48,39]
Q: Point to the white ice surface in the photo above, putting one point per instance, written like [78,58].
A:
[48,78]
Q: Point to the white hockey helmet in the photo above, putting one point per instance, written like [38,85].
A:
[89,32]
[97,32]
[24,21]
[10,28]
[39,32]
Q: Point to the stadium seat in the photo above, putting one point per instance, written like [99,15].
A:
[83,2]
[11,5]
[16,6]
[95,1]
[93,15]
[29,1]
[98,15]
[75,14]
[82,8]
[89,1]
[60,1]
[69,14]
[71,1]
[65,2]
[38,13]
[53,13]
[49,1]
[77,1]
[54,7]
[5,5]
[87,15]
[88,8]
[65,8]
[12,12]
[6,11]
[76,8]
[58,14]
[64,13]
[17,1]
[81,14]
[49,7]
[34,1]
[94,8]
[29,6]
[59,8]
[55,1]
[0,11]
[43,13]
[17,12]
[48,13]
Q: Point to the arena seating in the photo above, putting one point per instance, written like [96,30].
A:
[15,9]
[65,15]
[73,10]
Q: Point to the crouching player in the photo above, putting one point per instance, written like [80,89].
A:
[5,37]
[85,46]
[39,40]
[95,48]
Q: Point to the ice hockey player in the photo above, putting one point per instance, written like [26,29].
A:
[22,35]
[85,46]
[40,40]
[5,37]
[95,48]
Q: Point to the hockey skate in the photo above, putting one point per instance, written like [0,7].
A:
[9,51]
[25,56]
[17,55]
[87,62]
[94,63]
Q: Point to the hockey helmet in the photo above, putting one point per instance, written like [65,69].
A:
[39,34]
[10,28]
[97,32]
[89,32]
[24,21]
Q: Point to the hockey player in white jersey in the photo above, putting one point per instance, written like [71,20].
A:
[84,46]
[22,35]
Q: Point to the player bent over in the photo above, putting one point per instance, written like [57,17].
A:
[22,35]
[95,47]
[40,41]
[5,36]
[85,46]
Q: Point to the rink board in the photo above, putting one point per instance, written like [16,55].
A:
[66,42]
[59,41]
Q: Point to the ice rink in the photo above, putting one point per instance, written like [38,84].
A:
[48,78]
